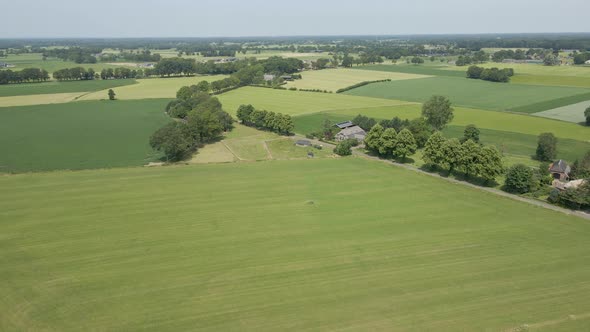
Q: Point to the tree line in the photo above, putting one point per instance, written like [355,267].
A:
[75,74]
[27,75]
[204,122]
[75,54]
[261,119]
[490,74]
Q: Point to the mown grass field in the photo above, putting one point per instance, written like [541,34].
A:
[431,70]
[311,244]
[60,87]
[571,113]
[334,79]
[297,102]
[152,88]
[470,93]
[79,135]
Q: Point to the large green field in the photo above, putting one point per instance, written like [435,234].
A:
[471,93]
[297,102]
[79,135]
[60,87]
[306,245]
[35,60]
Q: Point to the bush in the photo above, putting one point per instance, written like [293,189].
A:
[519,179]
[343,148]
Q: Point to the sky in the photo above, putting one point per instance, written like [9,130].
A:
[235,18]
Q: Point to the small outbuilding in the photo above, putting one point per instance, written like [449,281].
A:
[354,132]
[303,142]
[587,62]
[269,77]
[345,124]
[560,170]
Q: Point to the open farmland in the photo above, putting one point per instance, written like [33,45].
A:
[158,250]
[571,113]
[469,93]
[79,135]
[297,102]
[35,60]
[510,122]
[152,88]
[334,79]
[53,87]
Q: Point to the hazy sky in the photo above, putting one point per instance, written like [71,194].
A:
[203,18]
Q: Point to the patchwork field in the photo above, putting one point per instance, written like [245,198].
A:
[334,79]
[60,87]
[51,98]
[430,70]
[79,135]
[152,88]
[571,113]
[469,93]
[297,102]
[157,249]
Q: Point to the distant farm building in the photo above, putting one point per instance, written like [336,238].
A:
[268,77]
[587,62]
[560,170]
[287,77]
[5,65]
[522,61]
[354,132]
[346,124]
[303,142]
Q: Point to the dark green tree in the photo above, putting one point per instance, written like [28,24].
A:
[405,144]
[587,115]
[519,179]
[434,154]
[172,139]
[438,112]
[373,138]
[546,147]
[111,94]
[471,132]
[343,148]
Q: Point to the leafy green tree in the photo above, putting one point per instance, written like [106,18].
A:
[244,112]
[490,163]
[519,179]
[474,72]
[347,61]
[405,144]
[364,122]
[452,154]
[421,131]
[328,129]
[373,138]
[546,147]
[438,112]
[434,153]
[587,115]
[471,132]
[184,93]
[203,86]
[470,158]
[417,60]
[173,140]
[111,94]
[581,168]
[343,148]
[205,126]
[388,142]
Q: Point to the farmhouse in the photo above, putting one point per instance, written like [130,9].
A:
[587,62]
[354,132]
[560,170]
[5,65]
[269,77]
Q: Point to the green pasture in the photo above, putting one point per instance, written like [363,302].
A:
[98,134]
[470,93]
[296,102]
[430,70]
[571,113]
[152,88]
[334,79]
[60,87]
[326,244]
[35,60]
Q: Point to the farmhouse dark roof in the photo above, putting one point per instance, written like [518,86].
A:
[343,125]
[560,166]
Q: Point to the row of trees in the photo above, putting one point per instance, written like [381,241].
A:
[203,123]
[469,157]
[120,73]
[75,74]
[476,57]
[490,74]
[261,119]
[75,54]
[388,143]
[26,75]
[581,58]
